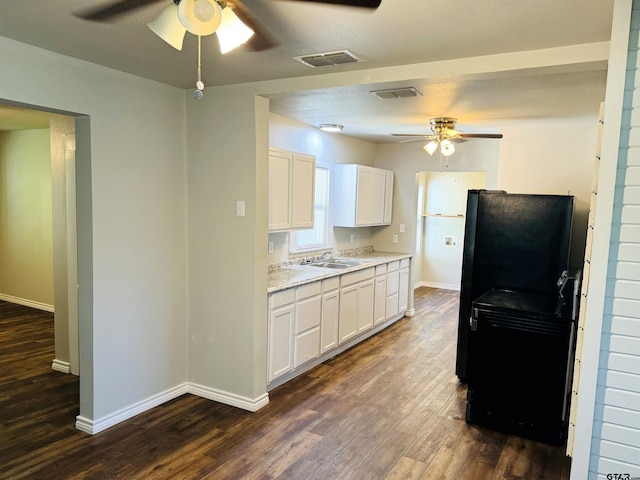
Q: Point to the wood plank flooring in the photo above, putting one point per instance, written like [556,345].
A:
[389,408]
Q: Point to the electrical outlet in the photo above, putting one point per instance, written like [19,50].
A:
[352,238]
[394,239]
[270,247]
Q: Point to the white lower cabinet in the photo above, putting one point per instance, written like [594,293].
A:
[330,314]
[306,342]
[308,321]
[393,288]
[380,295]
[356,303]
[403,286]
[282,310]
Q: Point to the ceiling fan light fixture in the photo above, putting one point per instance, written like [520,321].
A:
[431,147]
[331,127]
[168,27]
[200,17]
[447,148]
[232,32]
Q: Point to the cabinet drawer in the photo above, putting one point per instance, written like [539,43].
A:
[330,284]
[281,298]
[393,266]
[381,269]
[309,290]
[355,277]
[404,263]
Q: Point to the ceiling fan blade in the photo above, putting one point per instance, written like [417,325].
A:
[481,135]
[113,10]
[409,135]
[262,39]
[349,3]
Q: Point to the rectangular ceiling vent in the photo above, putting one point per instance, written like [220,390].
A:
[396,93]
[329,59]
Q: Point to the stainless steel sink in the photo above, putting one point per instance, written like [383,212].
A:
[347,261]
[330,265]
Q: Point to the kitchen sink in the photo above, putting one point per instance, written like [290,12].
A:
[330,265]
[339,263]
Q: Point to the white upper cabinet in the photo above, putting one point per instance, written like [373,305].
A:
[291,190]
[363,196]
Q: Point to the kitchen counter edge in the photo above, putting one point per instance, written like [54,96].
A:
[296,275]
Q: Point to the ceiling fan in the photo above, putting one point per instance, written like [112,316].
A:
[444,131]
[232,22]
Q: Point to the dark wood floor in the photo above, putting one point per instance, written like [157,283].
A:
[389,408]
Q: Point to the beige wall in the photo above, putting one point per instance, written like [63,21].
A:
[26,245]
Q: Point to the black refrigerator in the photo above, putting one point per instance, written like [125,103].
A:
[513,242]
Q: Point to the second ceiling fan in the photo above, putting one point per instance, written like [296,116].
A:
[444,131]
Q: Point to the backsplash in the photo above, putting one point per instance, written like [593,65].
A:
[302,258]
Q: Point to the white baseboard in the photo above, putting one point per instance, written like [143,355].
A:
[443,286]
[60,366]
[227,398]
[26,303]
[95,426]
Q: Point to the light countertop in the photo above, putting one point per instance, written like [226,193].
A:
[295,275]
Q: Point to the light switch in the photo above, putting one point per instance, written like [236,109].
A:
[402,228]
[240,208]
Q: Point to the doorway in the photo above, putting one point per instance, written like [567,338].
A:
[39,198]
[442,202]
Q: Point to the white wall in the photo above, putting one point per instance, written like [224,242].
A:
[138,208]
[329,149]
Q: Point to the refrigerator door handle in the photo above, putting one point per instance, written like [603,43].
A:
[473,324]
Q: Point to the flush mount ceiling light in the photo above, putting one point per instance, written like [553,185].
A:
[331,127]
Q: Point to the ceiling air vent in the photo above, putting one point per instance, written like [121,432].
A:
[396,93]
[329,59]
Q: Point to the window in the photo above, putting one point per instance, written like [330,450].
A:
[318,237]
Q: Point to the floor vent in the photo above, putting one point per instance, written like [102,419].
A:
[329,59]
[396,93]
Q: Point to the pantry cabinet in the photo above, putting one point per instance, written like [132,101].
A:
[363,196]
[291,190]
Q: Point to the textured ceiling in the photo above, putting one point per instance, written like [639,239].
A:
[399,32]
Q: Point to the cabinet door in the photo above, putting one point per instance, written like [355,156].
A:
[280,334]
[403,290]
[303,176]
[364,195]
[378,197]
[365,305]
[388,196]
[393,286]
[307,346]
[329,325]
[308,313]
[379,307]
[279,193]
[348,318]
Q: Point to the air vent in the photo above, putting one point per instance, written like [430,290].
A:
[396,93]
[329,59]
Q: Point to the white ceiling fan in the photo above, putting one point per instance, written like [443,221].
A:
[230,20]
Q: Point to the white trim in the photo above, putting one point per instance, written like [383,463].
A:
[227,398]
[60,366]
[95,426]
[443,286]
[410,312]
[27,303]
[92,427]
[614,98]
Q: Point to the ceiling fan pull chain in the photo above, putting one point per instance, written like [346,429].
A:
[198,93]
